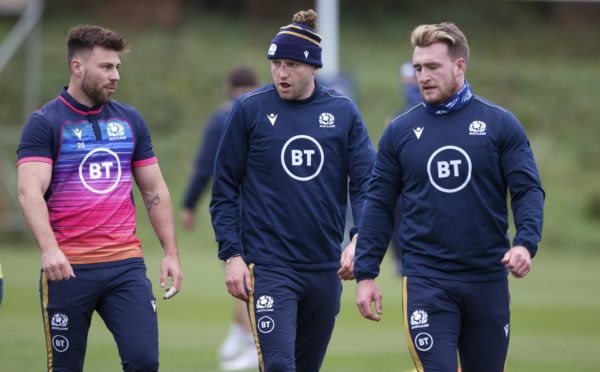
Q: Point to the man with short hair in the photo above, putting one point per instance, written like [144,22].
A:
[279,200]
[77,159]
[452,160]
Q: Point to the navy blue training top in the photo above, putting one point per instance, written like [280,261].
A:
[452,173]
[282,175]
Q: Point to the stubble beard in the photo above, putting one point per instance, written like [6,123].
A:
[95,92]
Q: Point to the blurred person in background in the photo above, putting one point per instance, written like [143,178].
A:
[77,158]
[453,161]
[237,351]
[279,200]
[410,86]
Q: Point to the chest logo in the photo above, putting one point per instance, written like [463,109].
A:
[302,158]
[418,131]
[326,120]
[115,130]
[272,118]
[449,169]
[477,128]
[100,170]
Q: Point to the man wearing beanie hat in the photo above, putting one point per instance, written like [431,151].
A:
[289,154]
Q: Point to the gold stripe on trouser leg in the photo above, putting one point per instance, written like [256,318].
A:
[261,361]
[505,361]
[46,322]
[409,341]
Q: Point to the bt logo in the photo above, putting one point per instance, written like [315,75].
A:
[444,168]
[299,155]
[449,169]
[302,157]
[96,169]
[60,343]
[100,170]
[266,324]
[423,341]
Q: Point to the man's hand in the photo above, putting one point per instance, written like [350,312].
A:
[170,268]
[188,219]
[346,271]
[55,265]
[237,278]
[518,261]
[367,292]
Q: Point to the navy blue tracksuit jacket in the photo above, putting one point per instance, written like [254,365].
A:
[282,175]
[453,173]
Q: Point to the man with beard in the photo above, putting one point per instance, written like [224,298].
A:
[290,153]
[77,159]
[453,161]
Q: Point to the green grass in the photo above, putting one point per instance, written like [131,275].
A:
[554,317]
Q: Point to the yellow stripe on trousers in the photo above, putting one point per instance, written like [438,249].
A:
[46,322]
[261,361]
[409,341]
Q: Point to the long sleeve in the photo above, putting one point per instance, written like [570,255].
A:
[361,156]
[523,180]
[230,165]
[377,221]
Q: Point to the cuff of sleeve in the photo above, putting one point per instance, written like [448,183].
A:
[224,254]
[188,205]
[39,159]
[144,162]
[231,257]
[531,247]
[353,231]
[360,277]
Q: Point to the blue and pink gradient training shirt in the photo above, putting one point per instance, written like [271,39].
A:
[92,152]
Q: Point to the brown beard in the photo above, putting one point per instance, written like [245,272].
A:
[95,92]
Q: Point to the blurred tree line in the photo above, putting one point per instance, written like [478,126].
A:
[169,13]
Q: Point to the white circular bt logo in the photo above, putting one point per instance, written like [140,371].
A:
[449,169]
[302,157]
[100,170]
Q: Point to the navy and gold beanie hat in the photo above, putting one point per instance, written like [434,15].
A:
[298,41]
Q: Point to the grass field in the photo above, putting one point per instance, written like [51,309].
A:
[554,326]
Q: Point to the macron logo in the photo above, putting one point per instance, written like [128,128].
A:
[418,131]
[78,132]
[306,54]
[272,118]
